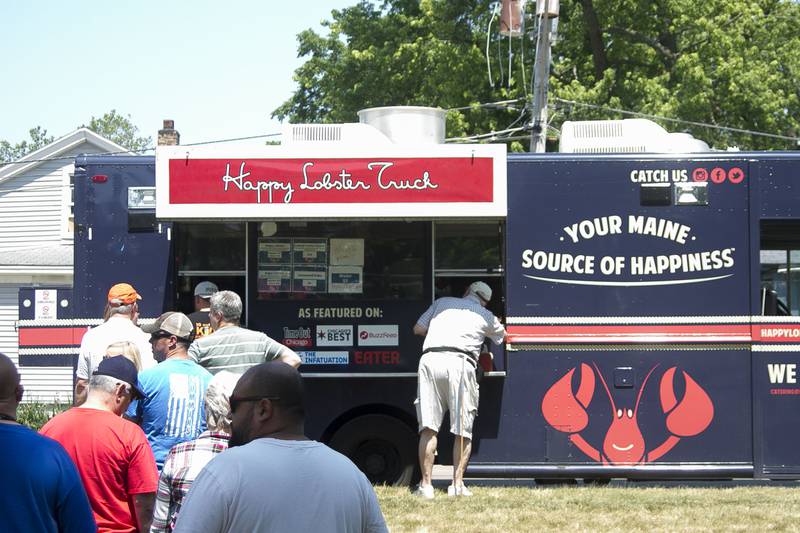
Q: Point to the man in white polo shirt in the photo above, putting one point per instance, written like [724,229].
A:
[454,331]
[123,307]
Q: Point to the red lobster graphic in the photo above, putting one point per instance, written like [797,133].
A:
[624,443]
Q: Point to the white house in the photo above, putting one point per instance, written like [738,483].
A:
[36,240]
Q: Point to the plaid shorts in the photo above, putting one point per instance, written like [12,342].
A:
[446,383]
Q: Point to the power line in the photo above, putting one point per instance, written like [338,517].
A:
[499,103]
[491,134]
[678,120]
[141,150]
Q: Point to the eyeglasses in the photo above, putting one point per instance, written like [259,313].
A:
[235,401]
[160,334]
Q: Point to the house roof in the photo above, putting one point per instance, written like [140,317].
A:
[55,255]
[56,148]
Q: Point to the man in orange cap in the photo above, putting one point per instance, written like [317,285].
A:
[123,307]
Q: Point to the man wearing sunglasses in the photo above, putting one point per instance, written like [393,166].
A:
[173,410]
[272,478]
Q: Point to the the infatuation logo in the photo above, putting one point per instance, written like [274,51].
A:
[282,189]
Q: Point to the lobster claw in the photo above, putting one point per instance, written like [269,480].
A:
[564,410]
[693,413]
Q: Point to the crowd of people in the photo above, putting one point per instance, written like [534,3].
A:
[185,424]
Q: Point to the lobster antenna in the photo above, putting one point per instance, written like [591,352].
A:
[608,392]
[641,391]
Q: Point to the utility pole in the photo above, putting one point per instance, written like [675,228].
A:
[545,11]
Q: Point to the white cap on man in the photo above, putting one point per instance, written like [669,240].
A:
[481,290]
[205,289]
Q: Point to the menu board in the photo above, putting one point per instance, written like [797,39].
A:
[274,251]
[309,278]
[346,279]
[313,251]
[310,265]
[274,278]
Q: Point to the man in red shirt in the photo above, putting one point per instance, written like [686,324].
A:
[113,457]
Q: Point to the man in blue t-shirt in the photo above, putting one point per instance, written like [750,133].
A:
[173,410]
[42,488]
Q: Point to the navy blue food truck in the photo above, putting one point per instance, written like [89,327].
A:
[651,301]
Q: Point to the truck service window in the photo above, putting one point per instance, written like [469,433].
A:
[465,252]
[353,260]
[213,251]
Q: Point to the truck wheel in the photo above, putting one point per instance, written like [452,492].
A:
[382,447]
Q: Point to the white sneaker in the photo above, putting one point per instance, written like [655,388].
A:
[452,490]
[424,491]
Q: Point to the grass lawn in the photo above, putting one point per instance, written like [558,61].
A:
[584,508]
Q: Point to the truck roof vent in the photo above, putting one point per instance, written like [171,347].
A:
[316,134]
[634,135]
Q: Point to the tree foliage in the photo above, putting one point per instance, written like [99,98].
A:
[38,139]
[119,129]
[729,63]
[113,126]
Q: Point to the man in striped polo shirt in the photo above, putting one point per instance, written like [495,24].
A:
[232,347]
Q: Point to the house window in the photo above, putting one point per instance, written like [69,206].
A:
[68,202]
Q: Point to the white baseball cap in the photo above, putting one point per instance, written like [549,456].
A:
[481,290]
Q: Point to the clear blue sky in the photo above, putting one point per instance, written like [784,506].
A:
[218,68]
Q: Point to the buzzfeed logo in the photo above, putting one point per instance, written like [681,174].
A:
[380,335]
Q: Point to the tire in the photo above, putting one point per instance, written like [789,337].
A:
[382,447]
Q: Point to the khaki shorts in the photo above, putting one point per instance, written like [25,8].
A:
[446,383]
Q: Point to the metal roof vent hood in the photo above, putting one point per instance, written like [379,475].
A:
[407,124]
[378,126]
[624,136]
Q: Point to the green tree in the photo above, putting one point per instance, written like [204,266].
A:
[113,126]
[38,139]
[731,63]
[119,129]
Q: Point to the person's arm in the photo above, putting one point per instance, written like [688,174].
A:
[163,503]
[194,353]
[289,357]
[424,321]
[143,505]
[142,477]
[81,389]
[497,333]
[82,375]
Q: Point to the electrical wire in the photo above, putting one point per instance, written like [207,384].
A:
[678,120]
[508,84]
[522,51]
[24,161]
[488,35]
[500,61]
[485,135]
[499,103]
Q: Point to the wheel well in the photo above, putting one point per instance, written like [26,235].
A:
[369,409]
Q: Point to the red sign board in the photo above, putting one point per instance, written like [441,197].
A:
[440,181]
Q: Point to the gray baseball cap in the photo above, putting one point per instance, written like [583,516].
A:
[205,289]
[173,323]
[481,290]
